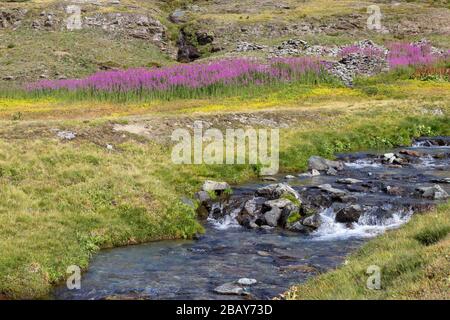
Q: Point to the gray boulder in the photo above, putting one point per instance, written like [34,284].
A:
[276,190]
[321,164]
[435,192]
[278,211]
[251,211]
[314,221]
[215,186]
[274,213]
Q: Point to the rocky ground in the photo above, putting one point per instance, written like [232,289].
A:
[357,189]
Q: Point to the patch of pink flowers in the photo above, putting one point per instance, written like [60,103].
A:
[196,75]
[405,54]
[369,51]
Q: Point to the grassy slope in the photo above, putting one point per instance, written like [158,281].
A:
[414,262]
[62,201]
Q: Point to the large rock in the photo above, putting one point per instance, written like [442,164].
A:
[321,164]
[272,216]
[214,186]
[278,211]
[435,192]
[314,221]
[251,212]
[275,191]
[349,214]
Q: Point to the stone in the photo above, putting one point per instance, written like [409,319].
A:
[215,186]
[348,181]
[272,216]
[247,281]
[411,153]
[314,221]
[178,16]
[268,178]
[299,227]
[389,157]
[109,147]
[349,214]
[321,164]
[334,191]
[230,289]
[204,38]
[202,196]
[253,206]
[435,192]
[289,177]
[263,253]
[251,212]
[66,135]
[394,191]
[276,190]
[332,172]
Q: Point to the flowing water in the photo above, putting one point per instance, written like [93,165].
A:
[276,258]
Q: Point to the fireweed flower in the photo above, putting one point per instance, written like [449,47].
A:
[191,76]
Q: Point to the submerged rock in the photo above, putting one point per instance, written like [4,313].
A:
[349,214]
[299,227]
[230,288]
[334,191]
[313,173]
[348,181]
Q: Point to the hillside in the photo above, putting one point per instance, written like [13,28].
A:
[37,44]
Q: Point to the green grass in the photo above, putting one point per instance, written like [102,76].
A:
[414,262]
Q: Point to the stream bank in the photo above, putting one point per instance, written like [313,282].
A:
[385,188]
